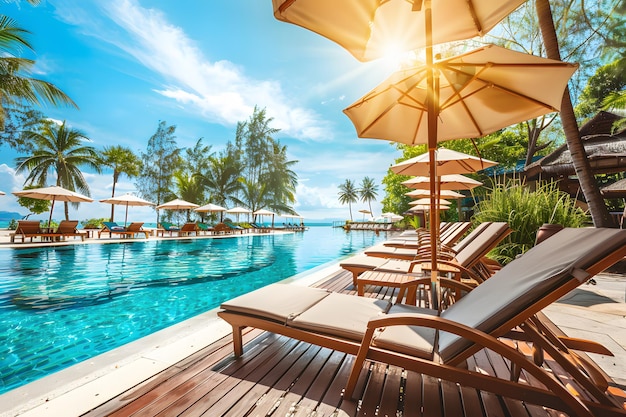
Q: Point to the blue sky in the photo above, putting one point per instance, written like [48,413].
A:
[202,66]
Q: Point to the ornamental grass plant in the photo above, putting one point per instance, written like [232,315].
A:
[525,211]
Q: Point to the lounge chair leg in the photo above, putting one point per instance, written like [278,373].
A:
[358,363]
[237,341]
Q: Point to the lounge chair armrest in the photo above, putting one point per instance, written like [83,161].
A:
[577,407]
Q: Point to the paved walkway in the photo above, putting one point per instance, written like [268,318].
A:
[597,312]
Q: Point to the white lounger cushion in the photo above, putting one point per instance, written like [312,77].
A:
[411,340]
[277,302]
[342,315]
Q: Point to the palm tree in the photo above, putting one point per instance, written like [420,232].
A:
[368,192]
[123,161]
[599,213]
[16,85]
[222,179]
[59,149]
[280,180]
[348,194]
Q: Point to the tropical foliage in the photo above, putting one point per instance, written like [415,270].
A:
[123,161]
[59,149]
[348,194]
[526,211]
[17,87]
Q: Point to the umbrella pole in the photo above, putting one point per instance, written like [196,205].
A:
[432,108]
[51,210]
[126,218]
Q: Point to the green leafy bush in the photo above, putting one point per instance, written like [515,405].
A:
[526,211]
[93,223]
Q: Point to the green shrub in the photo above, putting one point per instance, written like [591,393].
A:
[93,223]
[526,211]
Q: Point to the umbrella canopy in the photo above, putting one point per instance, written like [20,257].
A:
[426,207]
[446,182]
[53,193]
[210,208]
[238,210]
[127,200]
[213,208]
[2,193]
[369,28]
[447,160]
[177,204]
[426,193]
[264,212]
[479,92]
[420,201]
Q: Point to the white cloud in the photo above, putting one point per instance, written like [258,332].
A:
[219,91]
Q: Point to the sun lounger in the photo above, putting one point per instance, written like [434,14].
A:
[188,229]
[439,343]
[68,228]
[468,259]
[163,227]
[130,231]
[29,229]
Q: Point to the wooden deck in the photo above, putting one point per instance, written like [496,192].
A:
[278,376]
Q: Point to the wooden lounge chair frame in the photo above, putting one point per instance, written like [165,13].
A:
[67,228]
[188,229]
[29,229]
[470,255]
[130,231]
[582,253]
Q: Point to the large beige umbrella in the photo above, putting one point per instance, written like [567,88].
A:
[127,200]
[178,204]
[368,29]
[446,182]
[53,193]
[443,194]
[264,212]
[479,92]
[238,210]
[447,160]
[420,201]
[211,208]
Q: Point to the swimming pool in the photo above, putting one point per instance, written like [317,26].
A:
[63,305]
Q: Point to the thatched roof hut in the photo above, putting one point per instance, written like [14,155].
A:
[606,152]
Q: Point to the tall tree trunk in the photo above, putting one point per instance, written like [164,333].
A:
[599,212]
[116,176]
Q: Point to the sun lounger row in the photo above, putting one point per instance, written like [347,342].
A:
[32,229]
[370,226]
[467,255]
[502,309]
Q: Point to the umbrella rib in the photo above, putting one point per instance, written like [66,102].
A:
[472,11]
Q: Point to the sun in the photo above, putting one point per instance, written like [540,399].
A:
[395,57]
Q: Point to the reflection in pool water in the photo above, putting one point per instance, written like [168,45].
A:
[62,305]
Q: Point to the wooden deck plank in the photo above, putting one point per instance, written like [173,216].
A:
[206,393]
[241,392]
[284,379]
[391,395]
[373,390]
[260,393]
[451,399]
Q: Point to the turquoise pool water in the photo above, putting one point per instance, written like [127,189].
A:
[62,305]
